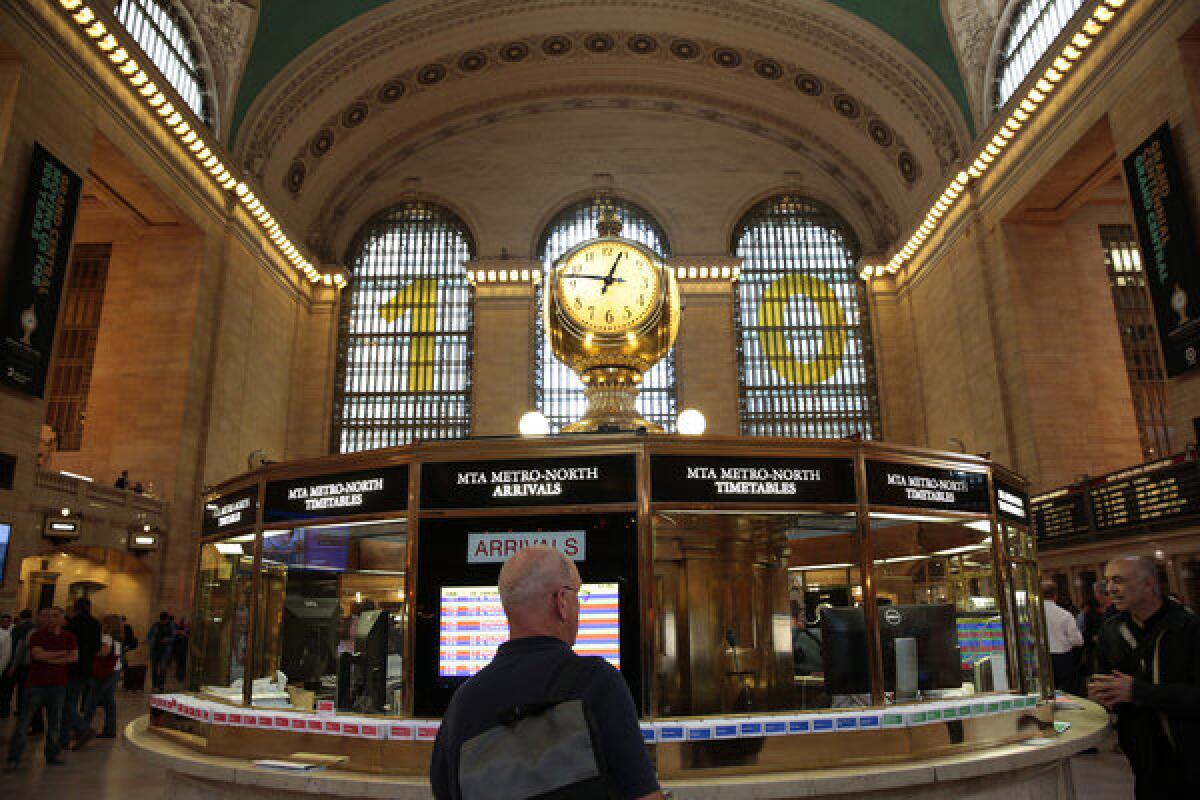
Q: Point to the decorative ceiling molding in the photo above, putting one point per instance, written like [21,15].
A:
[973,26]
[388,33]
[795,85]
[390,157]
[225,29]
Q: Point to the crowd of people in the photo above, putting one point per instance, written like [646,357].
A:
[62,670]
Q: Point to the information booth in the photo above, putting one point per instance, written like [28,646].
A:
[773,605]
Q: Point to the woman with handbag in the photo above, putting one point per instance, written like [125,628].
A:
[106,669]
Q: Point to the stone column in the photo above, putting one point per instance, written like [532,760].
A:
[706,350]
[502,375]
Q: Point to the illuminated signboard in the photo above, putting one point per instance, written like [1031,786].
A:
[541,482]
[1012,503]
[720,479]
[231,512]
[935,488]
[370,491]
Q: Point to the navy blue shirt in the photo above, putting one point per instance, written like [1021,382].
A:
[522,672]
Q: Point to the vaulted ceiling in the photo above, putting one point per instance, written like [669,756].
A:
[696,107]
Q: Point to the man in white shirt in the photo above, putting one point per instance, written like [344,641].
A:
[1065,640]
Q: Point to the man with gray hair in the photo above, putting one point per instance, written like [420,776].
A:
[539,589]
[1148,672]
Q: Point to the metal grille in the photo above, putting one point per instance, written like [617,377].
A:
[1139,338]
[1034,27]
[404,338]
[70,374]
[805,364]
[156,27]
[559,392]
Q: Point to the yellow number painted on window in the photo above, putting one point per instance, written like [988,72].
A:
[774,341]
[419,300]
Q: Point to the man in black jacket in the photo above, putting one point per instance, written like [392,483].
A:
[1148,671]
[87,633]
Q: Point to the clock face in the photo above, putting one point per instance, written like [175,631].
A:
[609,287]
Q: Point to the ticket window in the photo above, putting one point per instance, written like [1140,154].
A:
[332,618]
[459,622]
[740,602]
[939,608]
[219,646]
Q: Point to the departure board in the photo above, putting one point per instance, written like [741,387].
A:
[1154,492]
[1059,514]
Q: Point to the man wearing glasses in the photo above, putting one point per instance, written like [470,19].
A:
[539,589]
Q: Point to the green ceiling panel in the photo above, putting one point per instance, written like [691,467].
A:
[287,27]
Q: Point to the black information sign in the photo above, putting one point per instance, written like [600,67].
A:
[725,479]
[540,482]
[913,486]
[1168,248]
[35,278]
[231,512]
[368,491]
[1059,514]
[1012,503]
[1146,494]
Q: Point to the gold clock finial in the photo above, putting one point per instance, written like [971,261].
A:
[609,223]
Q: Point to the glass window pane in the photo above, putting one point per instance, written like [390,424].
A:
[1031,636]
[332,618]
[221,620]
[558,390]
[941,624]
[159,32]
[404,360]
[1032,28]
[805,363]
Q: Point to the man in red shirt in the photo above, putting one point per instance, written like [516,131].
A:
[51,649]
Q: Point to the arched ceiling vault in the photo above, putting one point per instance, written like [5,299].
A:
[396,91]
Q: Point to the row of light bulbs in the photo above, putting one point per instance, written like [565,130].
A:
[1043,87]
[192,139]
[535,277]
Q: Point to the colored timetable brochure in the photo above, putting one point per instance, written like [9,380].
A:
[978,638]
[472,625]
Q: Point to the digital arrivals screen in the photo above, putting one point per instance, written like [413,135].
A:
[472,625]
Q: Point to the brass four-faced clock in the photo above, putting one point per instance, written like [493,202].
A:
[612,312]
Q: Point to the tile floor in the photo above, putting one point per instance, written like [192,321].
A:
[108,769]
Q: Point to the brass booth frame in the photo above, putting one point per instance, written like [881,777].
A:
[673,759]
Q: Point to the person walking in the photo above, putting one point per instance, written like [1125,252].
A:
[1064,639]
[539,590]
[183,632]
[6,652]
[106,670]
[162,645]
[1148,672]
[18,665]
[86,629]
[51,651]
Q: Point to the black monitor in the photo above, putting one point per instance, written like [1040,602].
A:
[844,652]
[371,647]
[308,644]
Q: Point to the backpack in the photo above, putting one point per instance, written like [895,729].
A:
[546,750]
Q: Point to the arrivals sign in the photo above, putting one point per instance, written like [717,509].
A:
[369,491]
[724,479]
[496,548]
[913,486]
[36,273]
[232,512]
[540,482]
[1168,246]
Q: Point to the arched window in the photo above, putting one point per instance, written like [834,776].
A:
[159,31]
[404,339]
[559,392]
[805,365]
[1033,27]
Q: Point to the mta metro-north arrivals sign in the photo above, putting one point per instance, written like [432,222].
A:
[1164,227]
[35,279]
[533,482]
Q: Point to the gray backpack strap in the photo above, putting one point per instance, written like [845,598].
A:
[561,689]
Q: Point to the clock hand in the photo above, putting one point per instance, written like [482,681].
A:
[608,279]
[597,278]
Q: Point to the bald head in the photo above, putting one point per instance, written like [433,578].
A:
[534,585]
